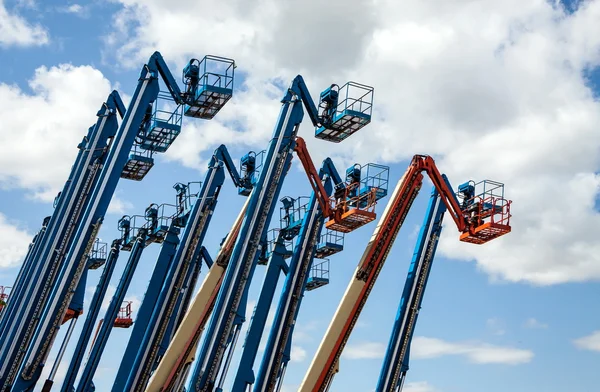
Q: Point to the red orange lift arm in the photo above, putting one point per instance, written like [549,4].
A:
[325,363]
[313,177]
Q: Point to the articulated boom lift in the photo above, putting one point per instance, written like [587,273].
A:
[88,326]
[29,340]
[229,311]
[42,269]
[305,219]
[479,219]
[173,369]
[146,346]
[395,364]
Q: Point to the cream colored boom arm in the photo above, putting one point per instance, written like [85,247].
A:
[183,346]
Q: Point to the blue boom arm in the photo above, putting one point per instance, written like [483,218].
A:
[68,277]
[228,311]
[93,311]
[145,344]
[60,234]
[276,264]
[20,283]
[142,322]
[395,363]
[243,260]
[276,354]
[85,382]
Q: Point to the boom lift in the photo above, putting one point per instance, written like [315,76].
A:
[159,228]
[174,366]
[96,259]
[88,326]
[60,233]
[395,363]
[228,317]
[196,96]
[143,348]
[484,218]
[24,273]
[275,253]
[305,219]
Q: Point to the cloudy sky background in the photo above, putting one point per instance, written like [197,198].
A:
[500,90]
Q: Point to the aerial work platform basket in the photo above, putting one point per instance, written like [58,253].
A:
[272,236]
[319,275]
[164,126]
[97,256]
[292,215]
[129,226]
[250,165]
[3,296]
[187,194]
[214,87]
[330,243]
[158,220]
[354,211]
[124,319]
[488,212]
[365,185]
[352,112]
[138,165]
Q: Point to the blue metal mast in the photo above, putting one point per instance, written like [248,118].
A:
[60,234]
[149,130]
[395,364]
[23,276]
[276,265]
[228,313]
[139,366]
[292,294]
[293,225]
[93,311]
[159,229]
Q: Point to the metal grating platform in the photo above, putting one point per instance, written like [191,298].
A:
[344,125]
[137,167]
[327,249]
[484,233]
[162,134]
[351,220]
[209,100]
[314,283]
[123,322]
[95,263]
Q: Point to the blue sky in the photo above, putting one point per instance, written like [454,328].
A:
[523,303]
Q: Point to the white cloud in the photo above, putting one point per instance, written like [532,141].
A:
[40,131]
[475,352]
[110,291]
[419,386]
[364,350]
[591,342]
[75,9]
[118,206]
[298,354]
[14,243]
[533,323]
[490,89]
[424,348]
[496,326]
[16,31]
